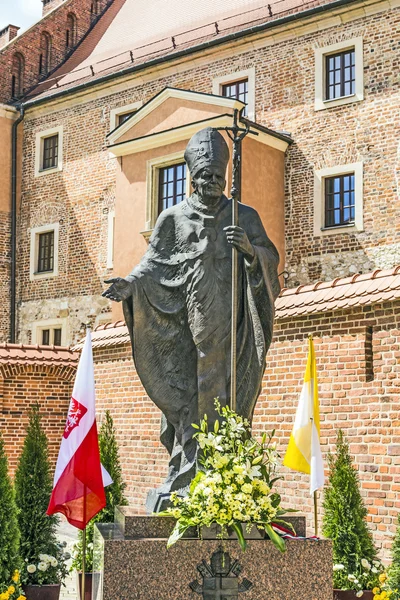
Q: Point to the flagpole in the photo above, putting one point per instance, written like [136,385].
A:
[84,547]
[315,515]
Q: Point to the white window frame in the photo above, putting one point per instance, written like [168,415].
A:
[39,146]
[34,251]
[122,110]
[153,167]
[51,324]
[250,75]
[110,239]
[320,73]
[319,199]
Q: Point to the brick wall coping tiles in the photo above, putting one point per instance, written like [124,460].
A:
[111,46]
[19,354]
[345,292]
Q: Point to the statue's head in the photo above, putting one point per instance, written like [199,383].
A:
[207,157]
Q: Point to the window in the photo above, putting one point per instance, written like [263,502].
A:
[17,75]
[70,33]
[44,251]
[51,337]
[119,115]
[238,90]
[50,332]
[45,53]
[338,203]
[168,184]
[172,186]
[339,74]
[339,200]
[49,151]
[239,85]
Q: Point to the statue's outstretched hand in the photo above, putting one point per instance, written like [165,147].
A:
[119,290]
[237,237]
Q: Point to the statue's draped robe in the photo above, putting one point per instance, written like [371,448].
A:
[179,319]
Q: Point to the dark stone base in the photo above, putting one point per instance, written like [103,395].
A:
[132,563]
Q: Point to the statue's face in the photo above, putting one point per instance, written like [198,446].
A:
[209,183]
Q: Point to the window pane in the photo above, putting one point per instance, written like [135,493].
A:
[340,74]
[239,91]
[172,188]
[50,152]
[124,117]
[57,337]
[46,252]
[46,337]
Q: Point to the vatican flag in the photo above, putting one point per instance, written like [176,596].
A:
[304,450]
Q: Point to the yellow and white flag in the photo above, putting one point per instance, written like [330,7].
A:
[304,450]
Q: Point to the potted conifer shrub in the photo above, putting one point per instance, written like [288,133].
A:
[9,532]
[43,558]
[356,570]
[109,457]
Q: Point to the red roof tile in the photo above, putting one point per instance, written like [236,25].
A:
[320,297]
[132,33]
[18,354]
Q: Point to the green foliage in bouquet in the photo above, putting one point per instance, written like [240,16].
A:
[109,457]
[9,531]
[33,486]
[234,485]
[344,521]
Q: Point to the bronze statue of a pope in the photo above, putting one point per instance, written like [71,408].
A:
[177,307]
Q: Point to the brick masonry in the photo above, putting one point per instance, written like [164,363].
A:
[5,258]
[22,386]
[357,354]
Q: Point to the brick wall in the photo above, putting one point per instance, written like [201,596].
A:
[5,264]
[21,386]
[364,131]
[359,383]
[28,45]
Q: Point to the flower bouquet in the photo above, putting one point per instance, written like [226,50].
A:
[367,576]
[13,591]
[234,485]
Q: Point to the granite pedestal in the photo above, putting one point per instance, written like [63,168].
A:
[131,562]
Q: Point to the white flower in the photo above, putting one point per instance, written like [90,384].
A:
[31,568]
[359,594]
[351,577]
[42,566]
[53,562]
[365,564]
[376,563]
[356,581]
[43,557]
[338,567]
[374,570]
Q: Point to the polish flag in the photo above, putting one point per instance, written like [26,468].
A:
[79,480]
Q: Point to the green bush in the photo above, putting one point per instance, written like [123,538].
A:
[344,520]
[33,486]
[109,457]
[9,531]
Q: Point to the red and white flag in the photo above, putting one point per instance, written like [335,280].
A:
[79,480]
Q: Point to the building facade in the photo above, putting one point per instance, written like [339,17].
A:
[110,92]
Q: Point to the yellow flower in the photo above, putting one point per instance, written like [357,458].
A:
[382,577]
[383,594]
[377,597]
[11,589]
[15,577]
[376,591]
[21,598]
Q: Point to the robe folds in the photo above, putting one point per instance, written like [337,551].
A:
[179,317]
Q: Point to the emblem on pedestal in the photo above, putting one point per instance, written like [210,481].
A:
[220,578]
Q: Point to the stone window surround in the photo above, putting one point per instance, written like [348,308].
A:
[153,167]
[250,75]
[110,239]
[319,199]
[320,53]
[39,145]
[39,326]
[34,249]
[121,110]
